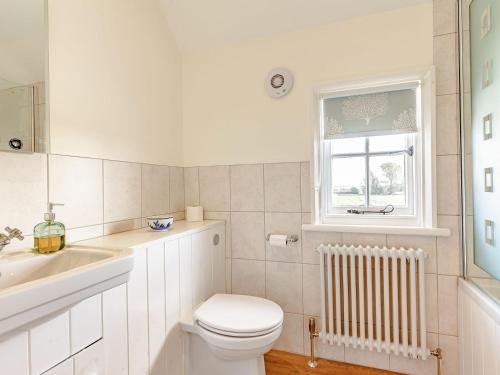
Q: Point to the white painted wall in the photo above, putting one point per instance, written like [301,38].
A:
[115,81]
[228,117]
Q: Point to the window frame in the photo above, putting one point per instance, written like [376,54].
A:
[424,156]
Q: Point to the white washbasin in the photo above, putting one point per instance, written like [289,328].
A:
[35,285]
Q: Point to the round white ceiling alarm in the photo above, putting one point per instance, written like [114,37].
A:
[279,82]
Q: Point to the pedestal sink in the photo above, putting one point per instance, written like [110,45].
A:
[33,285]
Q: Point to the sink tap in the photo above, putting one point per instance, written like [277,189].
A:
[12,233]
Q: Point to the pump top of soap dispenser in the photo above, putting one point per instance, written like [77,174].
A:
[50,215]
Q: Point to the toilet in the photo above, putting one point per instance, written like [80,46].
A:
[229,334]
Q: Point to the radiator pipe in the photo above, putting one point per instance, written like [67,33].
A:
[312,335]
[438,353]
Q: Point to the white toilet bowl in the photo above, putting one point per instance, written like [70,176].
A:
[229,334]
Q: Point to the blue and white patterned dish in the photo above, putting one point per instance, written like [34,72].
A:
[160,223]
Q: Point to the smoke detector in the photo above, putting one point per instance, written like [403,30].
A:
[279,82]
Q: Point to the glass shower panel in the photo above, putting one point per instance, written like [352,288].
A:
[484,34]
[16,119]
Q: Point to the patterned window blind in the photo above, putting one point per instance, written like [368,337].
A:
[379,113]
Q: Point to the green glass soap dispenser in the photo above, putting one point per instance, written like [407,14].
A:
[49,236]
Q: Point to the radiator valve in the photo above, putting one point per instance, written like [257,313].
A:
[312,335]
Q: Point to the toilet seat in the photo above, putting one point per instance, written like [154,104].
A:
[239,316]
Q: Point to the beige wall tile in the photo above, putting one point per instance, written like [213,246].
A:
[177,203]
[248,277]
[311,289]
[84,233]
[282,187]
[448,185]
[122,191]
[305,186]
[78,184]
[23,188]
[291,339]
[332,352]
[311,240]
[450,363]
[447,125]
[426,243]
[447,305]
[431,302]
[214,188]
[448,248]
[284,285]
[155,190]
[226,216]
[289,224]
[122,226]
[445,60]
[247,234]
[247,187]
[445,16]
[367,358]
[191,186]
[228,275]
[416,367]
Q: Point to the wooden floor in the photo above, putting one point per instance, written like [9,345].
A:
[283,363]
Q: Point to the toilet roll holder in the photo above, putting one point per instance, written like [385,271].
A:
[290,238]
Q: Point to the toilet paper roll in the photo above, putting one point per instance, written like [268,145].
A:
[278,240]
[194,213]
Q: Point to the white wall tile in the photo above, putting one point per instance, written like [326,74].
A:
[431,302]
[284,285]
[291,339]
[191,186]
[214,188]
[78,184]
[23,189]
[288,224]
[305,186]
[448,248]
[363,358]
[49,343]
[248,277]
[177,189]
[282,187]
[122,191]
[228,276]
[155,190]
[247,235]
[448,305]
[416,366]
[364,239]
[311,240]
[247,187]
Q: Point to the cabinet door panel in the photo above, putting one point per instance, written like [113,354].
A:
[137,305]
[114,310]
[91,360]
[217,241]
[156,311]
[64,368]
[172,284]
[185,276]
[86,323]
[201,271]
[14,354]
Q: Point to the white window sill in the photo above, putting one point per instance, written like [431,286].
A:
[377,229]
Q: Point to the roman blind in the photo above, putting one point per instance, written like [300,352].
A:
[391,111]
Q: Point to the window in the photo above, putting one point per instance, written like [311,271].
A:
[374,153]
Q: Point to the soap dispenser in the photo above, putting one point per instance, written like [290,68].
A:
[49,236]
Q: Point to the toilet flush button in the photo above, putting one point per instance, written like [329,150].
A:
[216,240]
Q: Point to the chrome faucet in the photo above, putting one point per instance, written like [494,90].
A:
[12,233]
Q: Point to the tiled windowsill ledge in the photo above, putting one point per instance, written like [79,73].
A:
[406,231]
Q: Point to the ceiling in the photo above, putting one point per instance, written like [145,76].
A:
[198,24]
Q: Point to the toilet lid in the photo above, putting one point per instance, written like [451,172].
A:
[237,315]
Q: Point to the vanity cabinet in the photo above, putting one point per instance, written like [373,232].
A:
[169,280]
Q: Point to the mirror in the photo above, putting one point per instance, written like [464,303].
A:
[23,38]
[480,100]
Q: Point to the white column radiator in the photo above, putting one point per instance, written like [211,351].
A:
[373,298]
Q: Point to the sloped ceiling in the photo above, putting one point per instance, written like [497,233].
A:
[200,24]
